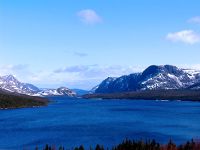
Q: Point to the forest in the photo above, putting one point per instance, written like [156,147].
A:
[185,95]
[136,145]
[11,100]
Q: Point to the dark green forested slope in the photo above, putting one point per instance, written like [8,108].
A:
[10,100]
[190,95]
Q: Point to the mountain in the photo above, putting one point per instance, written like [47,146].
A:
[9,83]
[94,89]
[62,91]
[80,92]
[152,78]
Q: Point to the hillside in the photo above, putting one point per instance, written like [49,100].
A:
[185,95]
[8,100]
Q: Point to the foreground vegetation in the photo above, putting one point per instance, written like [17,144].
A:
[187,95]
[10,100]
[136,145]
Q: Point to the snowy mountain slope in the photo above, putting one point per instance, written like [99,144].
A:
[62,91]
[152,78]
[11,84]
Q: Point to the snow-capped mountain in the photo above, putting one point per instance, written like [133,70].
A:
[11,84]
[62,91]
[152,78]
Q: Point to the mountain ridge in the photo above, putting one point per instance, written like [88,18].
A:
[10,84]
[154,77]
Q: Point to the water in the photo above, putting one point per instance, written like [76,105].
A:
[72,122]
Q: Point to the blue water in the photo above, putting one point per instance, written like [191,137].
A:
[72,122]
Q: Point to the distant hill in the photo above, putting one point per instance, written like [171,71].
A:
[153,78]
[185,95]
[10,100]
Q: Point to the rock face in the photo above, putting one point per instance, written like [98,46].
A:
[153,78]
[11,84]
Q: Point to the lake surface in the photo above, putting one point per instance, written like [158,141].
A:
[72,122]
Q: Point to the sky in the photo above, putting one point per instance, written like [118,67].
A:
[78,43]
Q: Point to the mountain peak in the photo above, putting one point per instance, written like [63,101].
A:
[154,69]
[9,77]
[151,70]
[172,69]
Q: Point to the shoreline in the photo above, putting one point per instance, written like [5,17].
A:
[12,108]
[132,99]
[13,101]
[158,95]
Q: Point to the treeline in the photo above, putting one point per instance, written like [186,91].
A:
[136,145]
[189,95]
[10,100]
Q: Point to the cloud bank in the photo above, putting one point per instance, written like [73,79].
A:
[75,76]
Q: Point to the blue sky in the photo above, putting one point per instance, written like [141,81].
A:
[77,43]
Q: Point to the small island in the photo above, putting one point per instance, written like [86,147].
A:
[11,101]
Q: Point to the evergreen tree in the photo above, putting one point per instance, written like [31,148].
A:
[61,148]
[81,147]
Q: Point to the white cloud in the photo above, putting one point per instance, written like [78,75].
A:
[185,36]
[89,16]
[195,19]
[90,75]
[99,72]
